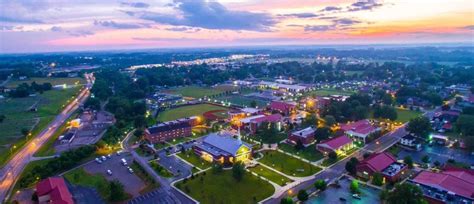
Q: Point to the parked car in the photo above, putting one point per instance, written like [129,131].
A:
[109,156]
[104,158]
[124,162]
[130,170]
[119,152]
[98,160]
[109,172]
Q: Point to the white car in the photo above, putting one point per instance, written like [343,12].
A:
[98,160]
[104,158]
[109,172]
[130,170]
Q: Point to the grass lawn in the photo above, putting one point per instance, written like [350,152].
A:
[242,100]
[310,153]
[327,92]
[160,170]
[179,140]
[160,145]
[223,188]
[194,91]
[271,140]
[405,115]
[187,111]
[194,159]
[145,177]
[49,104]
[271,175]
[53,80]
[96,181]
[287,164]
[327,162]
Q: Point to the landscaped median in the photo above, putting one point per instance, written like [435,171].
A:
[222,187]
[328,162]
[193,159]
[287,164]
[160,170]
[270,175]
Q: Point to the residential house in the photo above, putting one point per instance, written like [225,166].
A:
[53,190]
[305,136]
[339,145]
[360,130]
[383,163]
[411,141]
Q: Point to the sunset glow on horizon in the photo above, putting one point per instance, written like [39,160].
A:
[39,26]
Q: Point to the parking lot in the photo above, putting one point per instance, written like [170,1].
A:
[132,183]
[438,153]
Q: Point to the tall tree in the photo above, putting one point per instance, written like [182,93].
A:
[405,193]
[420,126]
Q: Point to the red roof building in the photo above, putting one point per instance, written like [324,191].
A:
[305,136]
[339,145]
[453,185]
[283,107]
[360,129]
[383,163]
[253,122]
[53,190]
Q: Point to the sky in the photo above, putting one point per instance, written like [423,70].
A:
[74,25]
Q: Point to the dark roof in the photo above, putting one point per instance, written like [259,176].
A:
[167,127]
[68,135]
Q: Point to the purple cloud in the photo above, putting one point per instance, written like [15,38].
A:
[300,15]
[113,24]
[136,4]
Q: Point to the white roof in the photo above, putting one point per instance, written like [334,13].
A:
[304,132]
[250,110]
[248,119]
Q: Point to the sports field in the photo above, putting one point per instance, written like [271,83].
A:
[242,100]
[328,92]
[18,116]
[194,91]
[405,115]
[53,80]
[187,111]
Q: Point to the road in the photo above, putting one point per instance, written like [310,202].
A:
[334,172]
[12,170]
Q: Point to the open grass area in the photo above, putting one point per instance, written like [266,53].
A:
[187,111]
[80,177]
[270,140]
[328,92]
[242,100]
[194,91]
[287,164]
[29,167]
[194,159]
[53,80]
[405,115]
[18,116]
[160,170]
[310,153]
[270,175]
[328,162]
[223,188]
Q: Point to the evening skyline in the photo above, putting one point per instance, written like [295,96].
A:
[47,26]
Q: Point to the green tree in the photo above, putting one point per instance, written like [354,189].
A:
[330,120]
[238,171]
[332,156]
[2,118]
[253,104]
[310,120]
[465,125]
[408,161]
[302,195]
[351,165]
[286,200]
[25,132]
[377,179]
[354,187]
[425,159]
[405,193]
[420,126]
[322,133]
[117,193]
[320,184]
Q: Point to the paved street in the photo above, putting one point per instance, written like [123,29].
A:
[12,170]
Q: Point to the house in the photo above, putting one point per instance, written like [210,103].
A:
[168,130]
[411,141]
[285,108]
[452,185]
[305,136]
[223,149]
[252,123]
[53,190]
[383,163]
[339,145]
[360,130]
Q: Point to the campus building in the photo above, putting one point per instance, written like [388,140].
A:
[383,163]
[306,136]
[223,149]
[339,145]
[251,124]
[360,130]
[453,185]
[53,190]
[170,130]
[283,107]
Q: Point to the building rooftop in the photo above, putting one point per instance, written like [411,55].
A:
[304,132]
[379,161]
[282,105]
[336,142]
[393,169]
[221,145]
[167,126]
[449,181]
[361,126]
[56,188]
